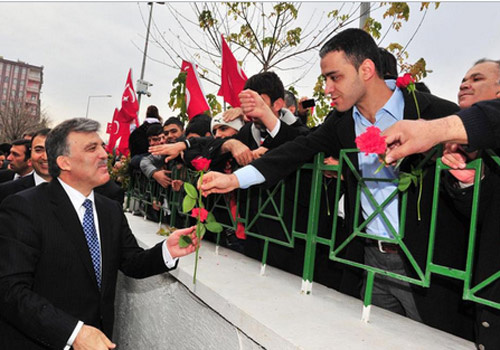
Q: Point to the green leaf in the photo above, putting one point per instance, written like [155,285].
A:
[185,241]
[200,230]
[214,227]
[187,204]
[190,190]
[210,217]
[404,181]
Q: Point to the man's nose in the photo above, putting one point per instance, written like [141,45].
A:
[465,85]
[329,88]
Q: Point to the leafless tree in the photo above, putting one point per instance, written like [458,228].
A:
[18,119]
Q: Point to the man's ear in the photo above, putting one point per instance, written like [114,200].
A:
[63,163]
[367,69]
[278,104]
[498,94]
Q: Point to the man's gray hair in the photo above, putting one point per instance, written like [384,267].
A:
[485,60]
[56,143]
[290,99]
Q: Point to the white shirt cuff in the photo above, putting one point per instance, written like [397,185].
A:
[72,338]
[275,130]
[249,176]
[167,258]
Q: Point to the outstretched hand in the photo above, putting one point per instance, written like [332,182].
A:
[455,157]
[407,137]
[171,150]
[90,338]
[173,242]
[214,182]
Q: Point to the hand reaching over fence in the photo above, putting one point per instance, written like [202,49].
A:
[455,157]
[259,152]
[214,182]
[171,150]
[239,150]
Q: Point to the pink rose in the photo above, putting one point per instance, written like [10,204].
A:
[371,141]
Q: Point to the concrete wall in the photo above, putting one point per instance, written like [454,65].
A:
[233,306]
[161,313]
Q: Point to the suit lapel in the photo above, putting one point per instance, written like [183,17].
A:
[65,213]
[30,181]
[346,135]
[410,110]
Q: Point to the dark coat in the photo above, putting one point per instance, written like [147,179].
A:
[6,175]
[486,260]
[286,133]
[47,281]
[14,186]
[111,190]
[138,140]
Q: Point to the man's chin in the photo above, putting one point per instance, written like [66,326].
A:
[103,179]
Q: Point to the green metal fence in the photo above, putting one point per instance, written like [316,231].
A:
[270,204]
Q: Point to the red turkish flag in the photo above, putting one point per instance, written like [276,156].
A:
[196,103]
[232,77]
[130,105]
[119,129]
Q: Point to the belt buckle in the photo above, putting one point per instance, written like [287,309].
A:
[380,247]
[383,250]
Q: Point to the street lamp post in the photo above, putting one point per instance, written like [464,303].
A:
[88,102]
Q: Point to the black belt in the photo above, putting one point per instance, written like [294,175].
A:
[384,247]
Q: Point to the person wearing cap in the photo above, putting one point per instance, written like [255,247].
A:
[222,129]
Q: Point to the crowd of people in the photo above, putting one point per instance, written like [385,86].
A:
[47,179]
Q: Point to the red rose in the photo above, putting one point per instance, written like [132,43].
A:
[404,81]
[371,141]
[201,164]
[202,213]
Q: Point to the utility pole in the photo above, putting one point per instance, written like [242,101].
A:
[364,13]
[145,49]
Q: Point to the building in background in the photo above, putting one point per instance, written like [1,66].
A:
[20,85]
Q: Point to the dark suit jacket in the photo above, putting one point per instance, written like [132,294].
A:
[6,175]
[14,186]
[47,281]
[337,133]
[486,260]
[138,140]
[482,123]
[111,190]
[286,133]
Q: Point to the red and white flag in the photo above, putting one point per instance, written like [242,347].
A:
[118,129]
[233,77]
[130,105]
[196,102]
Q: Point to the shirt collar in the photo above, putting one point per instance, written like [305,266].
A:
[394,107]
[75,196]
[38,179]
[17,176]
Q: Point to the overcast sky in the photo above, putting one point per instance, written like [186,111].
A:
[87,48]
